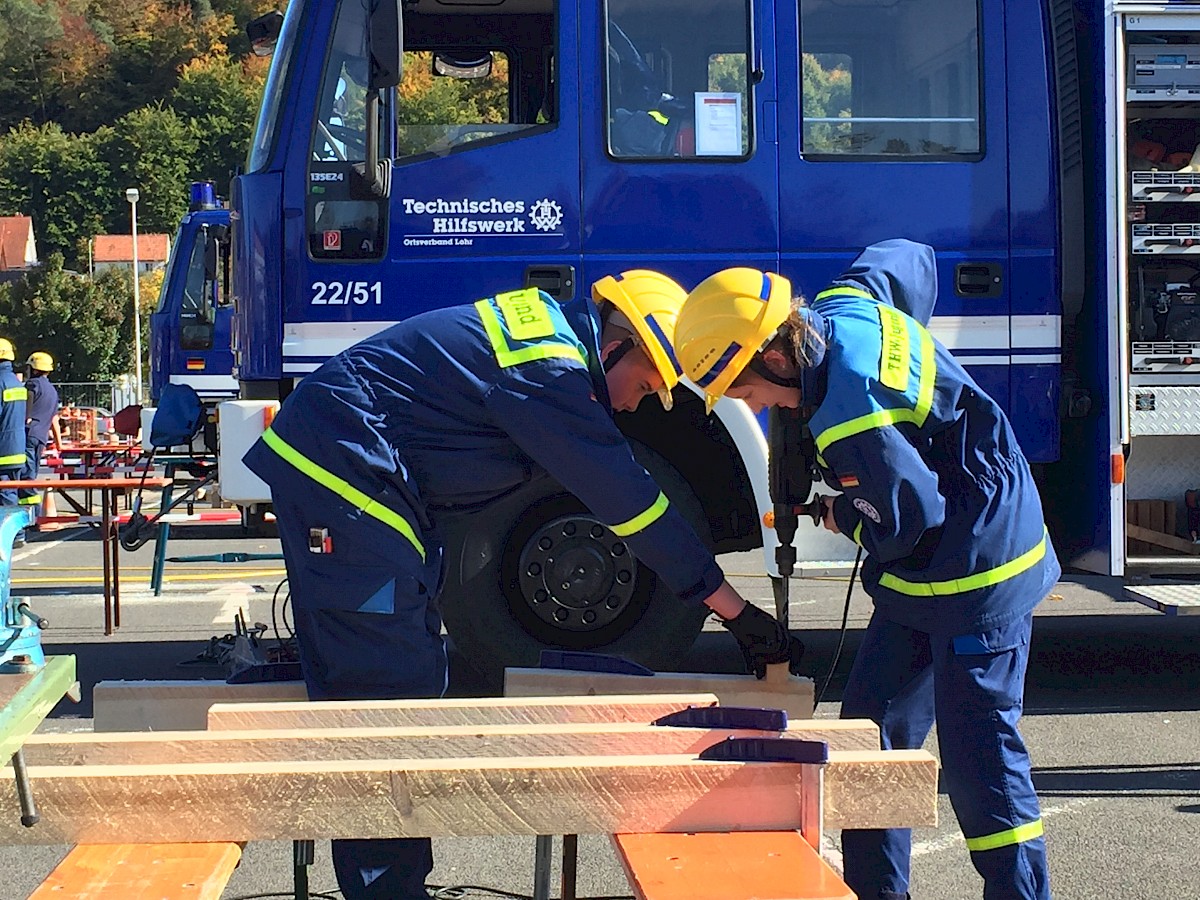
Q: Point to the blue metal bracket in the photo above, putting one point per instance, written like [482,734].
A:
[591,662]
[768,750]
[747,717]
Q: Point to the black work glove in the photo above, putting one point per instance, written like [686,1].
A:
[764,640]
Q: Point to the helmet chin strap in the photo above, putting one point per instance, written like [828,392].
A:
[618,353]
[759,367]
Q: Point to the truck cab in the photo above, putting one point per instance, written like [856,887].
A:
[190,329]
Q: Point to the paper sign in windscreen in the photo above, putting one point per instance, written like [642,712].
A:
[718,124]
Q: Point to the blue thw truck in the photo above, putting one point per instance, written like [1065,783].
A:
[1045,149]
[190,329]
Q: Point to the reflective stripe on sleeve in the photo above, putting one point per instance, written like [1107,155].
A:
[32,500]
[643,519]
[15,393]
[1006,838]
[343,489]
[13,459]
[507,356]
[857,536]
[1010,569]
[842,291]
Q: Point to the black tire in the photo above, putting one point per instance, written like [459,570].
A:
[488,603]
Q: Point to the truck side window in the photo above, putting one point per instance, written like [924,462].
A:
[677,79]
[891,80]
[451,99]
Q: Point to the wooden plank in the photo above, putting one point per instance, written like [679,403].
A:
[1169,541]
[467,711]
[793,694]
[1158,516]
[25,700]
[464,798]
[444,742]
[753,865]
[142,872]
[177,705]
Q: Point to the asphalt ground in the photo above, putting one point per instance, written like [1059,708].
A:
[1112,719]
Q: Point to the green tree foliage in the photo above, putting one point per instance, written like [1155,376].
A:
[826,93]
[220,98]
[60,181]
[152,149]
[85,324]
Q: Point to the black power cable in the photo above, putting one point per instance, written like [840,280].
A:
[837,653]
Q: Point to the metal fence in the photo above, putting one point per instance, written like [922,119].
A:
[110,395]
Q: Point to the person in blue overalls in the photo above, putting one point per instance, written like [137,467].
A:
[453,407]
[937,492]
[41,410]
[12,426]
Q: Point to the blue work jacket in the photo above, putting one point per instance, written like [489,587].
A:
[458,406]
[935,487]
[41,407]
[12,418]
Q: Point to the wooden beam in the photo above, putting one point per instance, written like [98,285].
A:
[26,699]
[464,711]
[445,742]
[469,797]
[789,693]
[177,705]
[1170,541]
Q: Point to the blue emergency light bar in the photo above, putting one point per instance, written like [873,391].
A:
[203,196]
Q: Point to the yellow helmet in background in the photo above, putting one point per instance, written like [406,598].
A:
[727,319]
[6,349]
[41,361]
[646,303]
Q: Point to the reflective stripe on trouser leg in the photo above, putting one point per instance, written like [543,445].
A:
[985,766]
[891,683]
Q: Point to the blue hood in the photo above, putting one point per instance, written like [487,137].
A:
[899,272]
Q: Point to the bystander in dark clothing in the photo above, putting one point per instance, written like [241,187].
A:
[41,423]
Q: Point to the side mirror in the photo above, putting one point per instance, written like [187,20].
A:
[263,33]
[465,64]
[385,43]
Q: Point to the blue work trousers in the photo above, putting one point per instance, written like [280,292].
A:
[33,462]
[973,686]
[9,497]
[350,654]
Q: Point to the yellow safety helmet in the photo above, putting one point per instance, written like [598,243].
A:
[727,319]
[6,349]
[41,361]
[647,303]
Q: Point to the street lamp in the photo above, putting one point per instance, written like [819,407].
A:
[131,194]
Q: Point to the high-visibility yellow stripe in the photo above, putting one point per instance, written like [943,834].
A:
[15,393]
[885,417]
[643,519]
[1006,838]
[507,356]
[658,117]
[894,355]
[29,501]
[13,459]
[343,488]
[839,291]
[1026,560]
[857,536]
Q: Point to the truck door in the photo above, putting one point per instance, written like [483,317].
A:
[893,123]
[484,161]
[678,129]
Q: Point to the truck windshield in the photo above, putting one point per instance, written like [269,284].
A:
[268,117]
[340,132]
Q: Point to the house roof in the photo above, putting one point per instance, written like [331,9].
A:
[15,236]
[118,248]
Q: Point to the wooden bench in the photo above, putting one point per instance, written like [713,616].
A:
[142,872]
[763,865]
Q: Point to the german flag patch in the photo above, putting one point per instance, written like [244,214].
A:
[848,481]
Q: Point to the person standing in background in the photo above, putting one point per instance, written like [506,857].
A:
[41,424]
[12,426]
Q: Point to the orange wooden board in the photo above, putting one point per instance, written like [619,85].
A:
[748,865]
[142,872]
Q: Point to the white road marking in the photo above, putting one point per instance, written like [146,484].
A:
[41,546]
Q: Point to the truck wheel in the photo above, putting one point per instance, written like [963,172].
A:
[537,570]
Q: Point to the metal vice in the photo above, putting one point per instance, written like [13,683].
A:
[20,627]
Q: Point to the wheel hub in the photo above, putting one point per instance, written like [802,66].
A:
[576,575]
